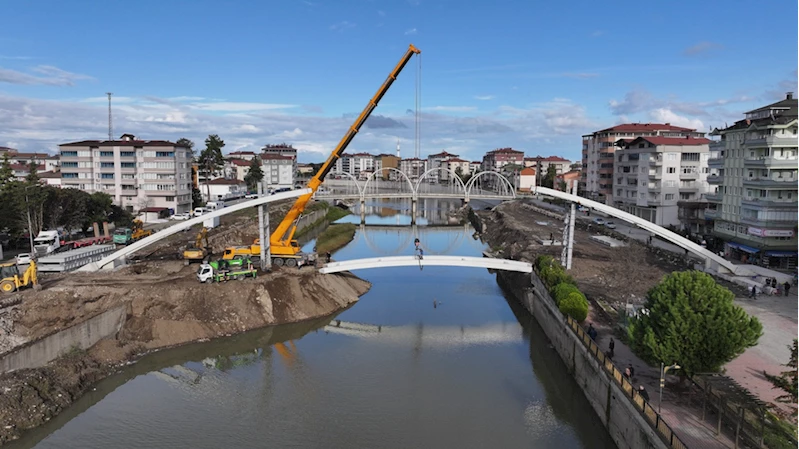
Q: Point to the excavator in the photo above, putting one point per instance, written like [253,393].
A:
[11,280]
[284,249]
[199,251]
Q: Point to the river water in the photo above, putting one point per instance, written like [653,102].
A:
[428,358]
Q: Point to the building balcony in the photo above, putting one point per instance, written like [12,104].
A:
[713,197]
[715,162]
[765,203]
[759,223]
[606,171]
[711,214]
[656,161]
[689,175]
[770,141]
[771,162]
[715,179]
[777,183]
[689,188]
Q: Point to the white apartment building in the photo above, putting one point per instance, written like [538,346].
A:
[413,167]
[539,162]
[278,171]
[136,173]
[356,163]
[243,155]
[438,160]
[597,155]
[475,166]
[754,166]
[653,174]
[282,150]
[456,165]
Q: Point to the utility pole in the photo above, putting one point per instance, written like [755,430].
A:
[110,122]
[570,241]
[263,231]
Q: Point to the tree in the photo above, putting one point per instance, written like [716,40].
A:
[186,143]
[692,321]
[33,173]
[197,197]
[254,175]
[6,172]
[787,380]
[549,178]
[211,158]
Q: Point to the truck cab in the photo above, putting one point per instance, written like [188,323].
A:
[122,236]
[46,242]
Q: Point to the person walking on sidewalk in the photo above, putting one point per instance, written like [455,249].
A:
[753,295]
[611,348]
[644,394]
[591,331]
[786,287]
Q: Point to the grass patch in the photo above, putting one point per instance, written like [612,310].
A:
[334,213]
[334,237]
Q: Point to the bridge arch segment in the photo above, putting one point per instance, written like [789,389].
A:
[440,261]
[454,181]
[403,175]
[504,187]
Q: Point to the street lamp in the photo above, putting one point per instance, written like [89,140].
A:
[663,371]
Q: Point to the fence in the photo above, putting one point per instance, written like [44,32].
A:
[651,416]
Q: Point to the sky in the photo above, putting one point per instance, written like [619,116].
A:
[533,76]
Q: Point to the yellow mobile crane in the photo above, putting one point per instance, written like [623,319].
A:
[283,247]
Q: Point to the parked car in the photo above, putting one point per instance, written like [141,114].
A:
[181,216]
[199,211]
[23,259]
[599,221]
[250,196]
[610,225]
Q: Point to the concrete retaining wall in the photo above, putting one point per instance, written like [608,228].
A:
[83,335]
[625,424]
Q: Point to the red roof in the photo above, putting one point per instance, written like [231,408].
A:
[505,150]
[642,127]
[225,182]
[16,155]
[119,143]
[25,167]
[682,141]
[528,171]
[547,159]
[242,153]
[443,154]
[240,162]
[455,159]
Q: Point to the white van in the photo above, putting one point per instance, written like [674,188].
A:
[199,211]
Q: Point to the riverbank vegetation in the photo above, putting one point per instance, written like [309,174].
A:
[334,237]
[333,213]
[569,299]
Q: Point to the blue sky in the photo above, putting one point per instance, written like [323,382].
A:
[534,76]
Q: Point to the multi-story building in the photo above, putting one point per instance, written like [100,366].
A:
[654,173]
[238,168]
[458,166]
[754,165]
[136,173]
[388,161]
[597,156]
[542,163]
[244,155]
[278,170]
[495,160]
[475,166]
[282,149]
[22,170]
[413,167]
[437,161]
[354,164]
[566,179]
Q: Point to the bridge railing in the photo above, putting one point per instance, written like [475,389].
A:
[652,417]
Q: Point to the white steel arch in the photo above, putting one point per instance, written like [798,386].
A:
[452,173]
[473,180]
[373,175]
[438,261]
[351,177]
[712,260]
[174,229]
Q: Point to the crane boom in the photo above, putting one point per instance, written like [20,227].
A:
[280,240]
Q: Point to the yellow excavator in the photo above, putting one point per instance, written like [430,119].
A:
[284,249]
[199,251]
[11,280]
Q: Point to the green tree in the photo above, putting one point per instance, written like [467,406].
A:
[691,320]
[33,173]
[186,143]
[197,197]
[254,175]
[549,178]
[6,172]
[787,380]
[211,159]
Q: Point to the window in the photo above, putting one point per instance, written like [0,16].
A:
[127,154]
[164,154]
[106,165]
[669,196]
[106,154]
[69,175]
[69,154]
[128,176]
[106,176]
[169,198]
[127,164]
[671,156]
[671,170]
[69,165]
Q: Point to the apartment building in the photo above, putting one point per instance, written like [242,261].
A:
[356,163]
[458,166]
[388,161]
[413,167]
[438,160]
[282,149]
[598,148]
[475,166]
[237,168]
[243,155]
[136,173]
[542,163]
[754,167]
[495,160]
[278,170]
[654,173]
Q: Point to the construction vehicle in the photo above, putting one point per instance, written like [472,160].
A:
[224,270]
[283,248]
[11,280]
[199,251]
[126,236]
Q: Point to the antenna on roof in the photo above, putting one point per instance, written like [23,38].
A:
[110,123]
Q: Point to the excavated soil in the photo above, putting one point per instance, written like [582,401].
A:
[613,275]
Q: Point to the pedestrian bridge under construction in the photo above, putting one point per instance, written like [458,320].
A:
[433,261]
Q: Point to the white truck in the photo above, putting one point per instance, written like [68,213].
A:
[47,242]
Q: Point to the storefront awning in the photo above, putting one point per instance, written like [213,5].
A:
[745,248]
[781,253]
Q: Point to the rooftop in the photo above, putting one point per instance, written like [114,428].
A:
[528,171]
[277,157]
[224,182]
[642,127]
[242,153]
[786,103]
[239,162]
[547,159]
[443,154]
[455,159]
[679,141]
[505,151]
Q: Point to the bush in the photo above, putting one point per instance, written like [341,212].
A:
[562,290]
[574,305]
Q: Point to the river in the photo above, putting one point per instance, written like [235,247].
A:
[432,357]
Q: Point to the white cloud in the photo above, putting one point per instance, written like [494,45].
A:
[702,48]
[52,76]
[450,108]
[483,97]
[40,125]
[341,26]
[410,32]
[665,115]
